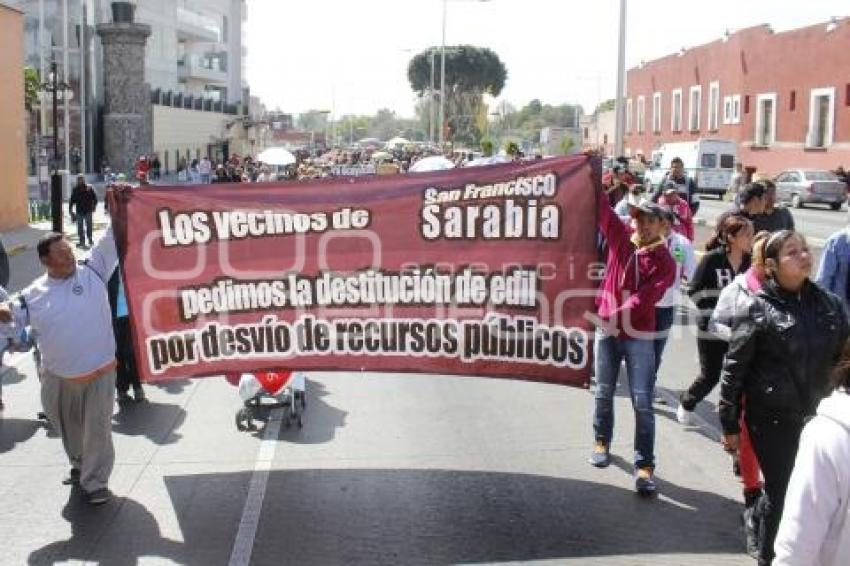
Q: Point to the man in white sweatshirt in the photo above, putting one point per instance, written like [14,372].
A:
[68,311]
[815,527]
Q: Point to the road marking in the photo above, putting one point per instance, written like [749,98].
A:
[243,546]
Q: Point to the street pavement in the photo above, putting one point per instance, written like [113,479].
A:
[388,469]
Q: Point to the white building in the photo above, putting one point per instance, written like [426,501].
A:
[194,67]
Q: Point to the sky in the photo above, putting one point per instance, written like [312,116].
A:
[351,56]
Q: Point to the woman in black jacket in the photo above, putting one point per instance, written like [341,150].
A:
[728,256]
[779,361]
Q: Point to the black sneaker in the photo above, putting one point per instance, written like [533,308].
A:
[73,477]
[99,496]
[124,397]
[139,394]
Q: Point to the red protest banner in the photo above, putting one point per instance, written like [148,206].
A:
[478,271]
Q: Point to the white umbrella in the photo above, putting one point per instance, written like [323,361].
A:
[433,163]
[491,160]
[397,141]
[276,156]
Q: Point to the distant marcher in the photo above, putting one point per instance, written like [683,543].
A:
[68,309]
[751,201]
[81,207]
[673,201]
[682,251]
[685,184]
[737,182]
[815,527]
[834,271]
[205,169]
[777,369]
[773,218]
[127,374]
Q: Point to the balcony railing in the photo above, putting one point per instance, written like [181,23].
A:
[173,99]
[195,67]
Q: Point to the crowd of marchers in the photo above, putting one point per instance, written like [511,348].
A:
[771,332]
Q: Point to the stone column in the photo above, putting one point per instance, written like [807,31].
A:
[127,126]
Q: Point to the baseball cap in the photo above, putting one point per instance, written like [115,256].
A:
[648,208]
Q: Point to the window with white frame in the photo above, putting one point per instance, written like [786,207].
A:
[821,117]
[765,119]
[736,109]
[676,110]
[727,109]
[713,106]
[629,116]
[694,108]
[641,115]
[656,113]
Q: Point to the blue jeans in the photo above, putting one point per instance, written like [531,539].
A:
[84,228]
[664,317]
[640,366]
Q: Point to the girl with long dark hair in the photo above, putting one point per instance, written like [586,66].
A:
[728,255]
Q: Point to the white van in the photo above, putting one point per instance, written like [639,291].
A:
[709,162]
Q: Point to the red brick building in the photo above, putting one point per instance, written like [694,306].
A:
[784,97]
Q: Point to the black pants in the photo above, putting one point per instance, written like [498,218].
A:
[126,374]
[711,355]
[775,442]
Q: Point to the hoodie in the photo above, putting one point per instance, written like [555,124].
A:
[636,276]
[815,527]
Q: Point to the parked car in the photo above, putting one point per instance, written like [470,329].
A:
[710,162]
[800,187]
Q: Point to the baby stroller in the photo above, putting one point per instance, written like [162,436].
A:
[266,390]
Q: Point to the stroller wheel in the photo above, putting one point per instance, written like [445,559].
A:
[243,420]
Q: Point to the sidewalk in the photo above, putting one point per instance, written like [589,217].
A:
[23,239]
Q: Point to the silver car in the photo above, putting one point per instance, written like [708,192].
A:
[800,187]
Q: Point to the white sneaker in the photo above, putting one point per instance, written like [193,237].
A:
[683,416]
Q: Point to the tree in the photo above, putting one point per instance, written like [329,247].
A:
[567,145]
[487,147]
[470,73]
[32,84]
[605,106]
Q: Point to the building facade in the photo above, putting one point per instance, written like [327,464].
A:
[13,200]
[194,56]
[783,97]
[597,131]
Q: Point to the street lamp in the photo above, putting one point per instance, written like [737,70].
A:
[55,86]
[443,76]
[620,105]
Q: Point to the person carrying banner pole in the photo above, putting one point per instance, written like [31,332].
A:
[639,271]
[78,368]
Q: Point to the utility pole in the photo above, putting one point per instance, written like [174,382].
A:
[441,125]
[52,86]
[620,106]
